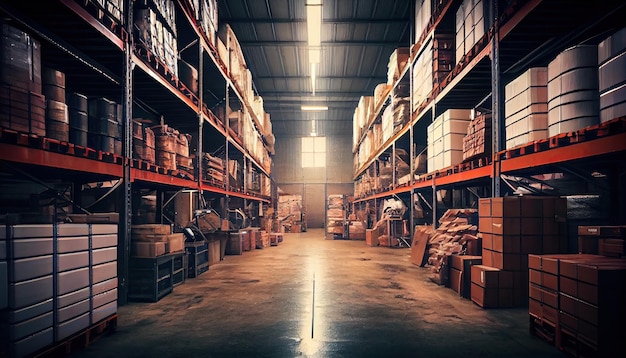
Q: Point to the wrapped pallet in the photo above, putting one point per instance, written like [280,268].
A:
[445,138]
[612,76]
[526,107]
[573,98]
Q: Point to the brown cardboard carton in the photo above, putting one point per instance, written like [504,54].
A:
[487,257]
[485,225]
[147,248]
[507,261]
[484,297]
[509,244]
[505,226]
[371,237]
[612,247]
[531,207]
[175,243]
[485,276]
[487,241]
[505,207]
[484,207]
[531,244]
[454,280]
[531,226]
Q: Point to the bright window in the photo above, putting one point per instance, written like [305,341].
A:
[313,152]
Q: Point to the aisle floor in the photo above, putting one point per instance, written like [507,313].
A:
[312,297]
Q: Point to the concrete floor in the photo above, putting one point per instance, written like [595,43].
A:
[311,297]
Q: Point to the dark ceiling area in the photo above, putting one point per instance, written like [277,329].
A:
[357,38]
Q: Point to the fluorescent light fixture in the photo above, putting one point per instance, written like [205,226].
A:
[315,55]
[314,108]
[313,76]
[314,22]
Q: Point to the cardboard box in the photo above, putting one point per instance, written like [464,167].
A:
[505,207]
[484,297]
[464,263]
[175,243]
[455,279]
[147,248]
[505,226]
[509,244]
[371,237]
[484,207]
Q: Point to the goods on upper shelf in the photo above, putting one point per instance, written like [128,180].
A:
[612,76]
[477,141]
[77,105]
[105,132]
[206,13]
[472,23]
[57,116]
[172,148]
[20,82]
[526,107]
[361,117]
[398,59]
[155,30]
[62,279]
[445,138]
[573,101]
[433,64]
[423,13]
[143,142]
[214,170]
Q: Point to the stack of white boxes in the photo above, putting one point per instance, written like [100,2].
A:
[62,278]
[526,107]
[207,16]
[423,13]
[472,23]
[445,138]
[423,75]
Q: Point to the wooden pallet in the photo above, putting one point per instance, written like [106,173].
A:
[543,329]
[82,339]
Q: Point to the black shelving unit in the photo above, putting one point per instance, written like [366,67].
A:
[197,257]
[153,278]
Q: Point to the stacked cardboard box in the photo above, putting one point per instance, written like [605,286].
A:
[233,57]
[423,13]
[574,300]
[460,273]
[104,127]
[602,240]
[155,30]
[62,279]
[513,227]
[433,64]
[152,240]
[477,141]
[335,215]
[143,142]
[472,23]
[445,138]
[455,230]
[526,107]
[491,287]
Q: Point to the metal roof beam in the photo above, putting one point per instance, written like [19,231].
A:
[250,43]
[340,21]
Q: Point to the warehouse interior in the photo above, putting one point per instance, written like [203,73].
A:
[315,178]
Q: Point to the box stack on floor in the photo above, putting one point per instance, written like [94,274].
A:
[335,215]
[22,103]
[62,278]
[512,228]
[290,212]
[576,298]
[157,263]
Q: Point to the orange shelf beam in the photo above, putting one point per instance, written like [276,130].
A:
[26,155]
[142,175]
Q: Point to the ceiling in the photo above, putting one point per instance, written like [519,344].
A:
[358,36]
